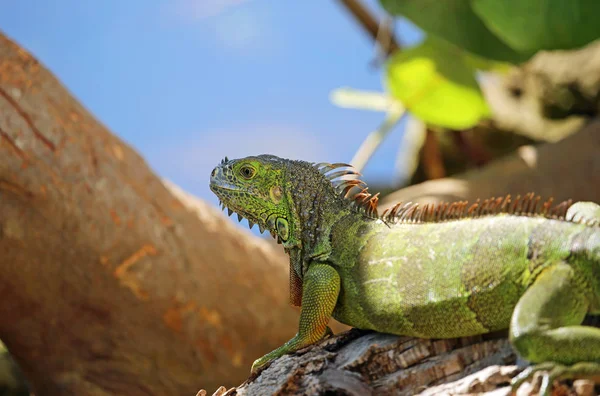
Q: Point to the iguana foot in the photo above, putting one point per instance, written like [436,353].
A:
[292,345]
[259,365]
[556,372]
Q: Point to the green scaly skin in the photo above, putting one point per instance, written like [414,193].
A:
[532,274]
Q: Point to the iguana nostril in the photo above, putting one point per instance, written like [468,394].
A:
[213,173]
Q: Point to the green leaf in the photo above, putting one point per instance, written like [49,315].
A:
[483,64]
[455,21]
[435,82]
[533,25]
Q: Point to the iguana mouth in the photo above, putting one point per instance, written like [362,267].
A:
[242,216]
[218,181]
[220,185]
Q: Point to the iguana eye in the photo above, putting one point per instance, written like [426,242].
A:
[247,172]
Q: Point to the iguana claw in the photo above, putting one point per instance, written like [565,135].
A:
[259,365]
[547,380]
[555,372]
[293,345]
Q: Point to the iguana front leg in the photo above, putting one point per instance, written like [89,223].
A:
[321,286]
[546,329]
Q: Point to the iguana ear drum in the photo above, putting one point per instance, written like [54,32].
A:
[282,228]
[276,193]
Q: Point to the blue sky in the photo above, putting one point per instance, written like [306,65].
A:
[186,82]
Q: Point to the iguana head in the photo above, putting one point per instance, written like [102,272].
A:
[255,188]
[296,201]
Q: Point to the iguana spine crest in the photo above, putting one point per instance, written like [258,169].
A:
[528,205]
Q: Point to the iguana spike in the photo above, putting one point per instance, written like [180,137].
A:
[546,206]
[375,198]
[485,206]
[431,212]
[423,213]
[361,193]
[452,209]
[402,210]
[526,203]
[535,204]
[362,196]
[342,183]
[321,164]
[229,212]
[330,167]
[341,164]
[473,208]
[395,209]
[515,204]
[442,212]
[505,204]
[325,167]
[385,214]
[372,205]
[349,185]
[410,212]
[458,210]
[239,216]
[344,172]
[560,210]
[498,204]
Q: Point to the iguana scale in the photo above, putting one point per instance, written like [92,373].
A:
[430,271]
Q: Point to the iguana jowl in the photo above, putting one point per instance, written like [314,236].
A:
[432,271]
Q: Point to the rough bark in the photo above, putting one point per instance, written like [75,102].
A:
[362,364]
[110,284]
[359,363]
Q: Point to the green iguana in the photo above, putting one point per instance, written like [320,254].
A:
[429,271]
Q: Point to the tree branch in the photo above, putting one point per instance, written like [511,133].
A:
[112,284]
[371,26]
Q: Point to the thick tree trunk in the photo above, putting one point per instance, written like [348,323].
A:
[359,363]
[110,284]
[369,363]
